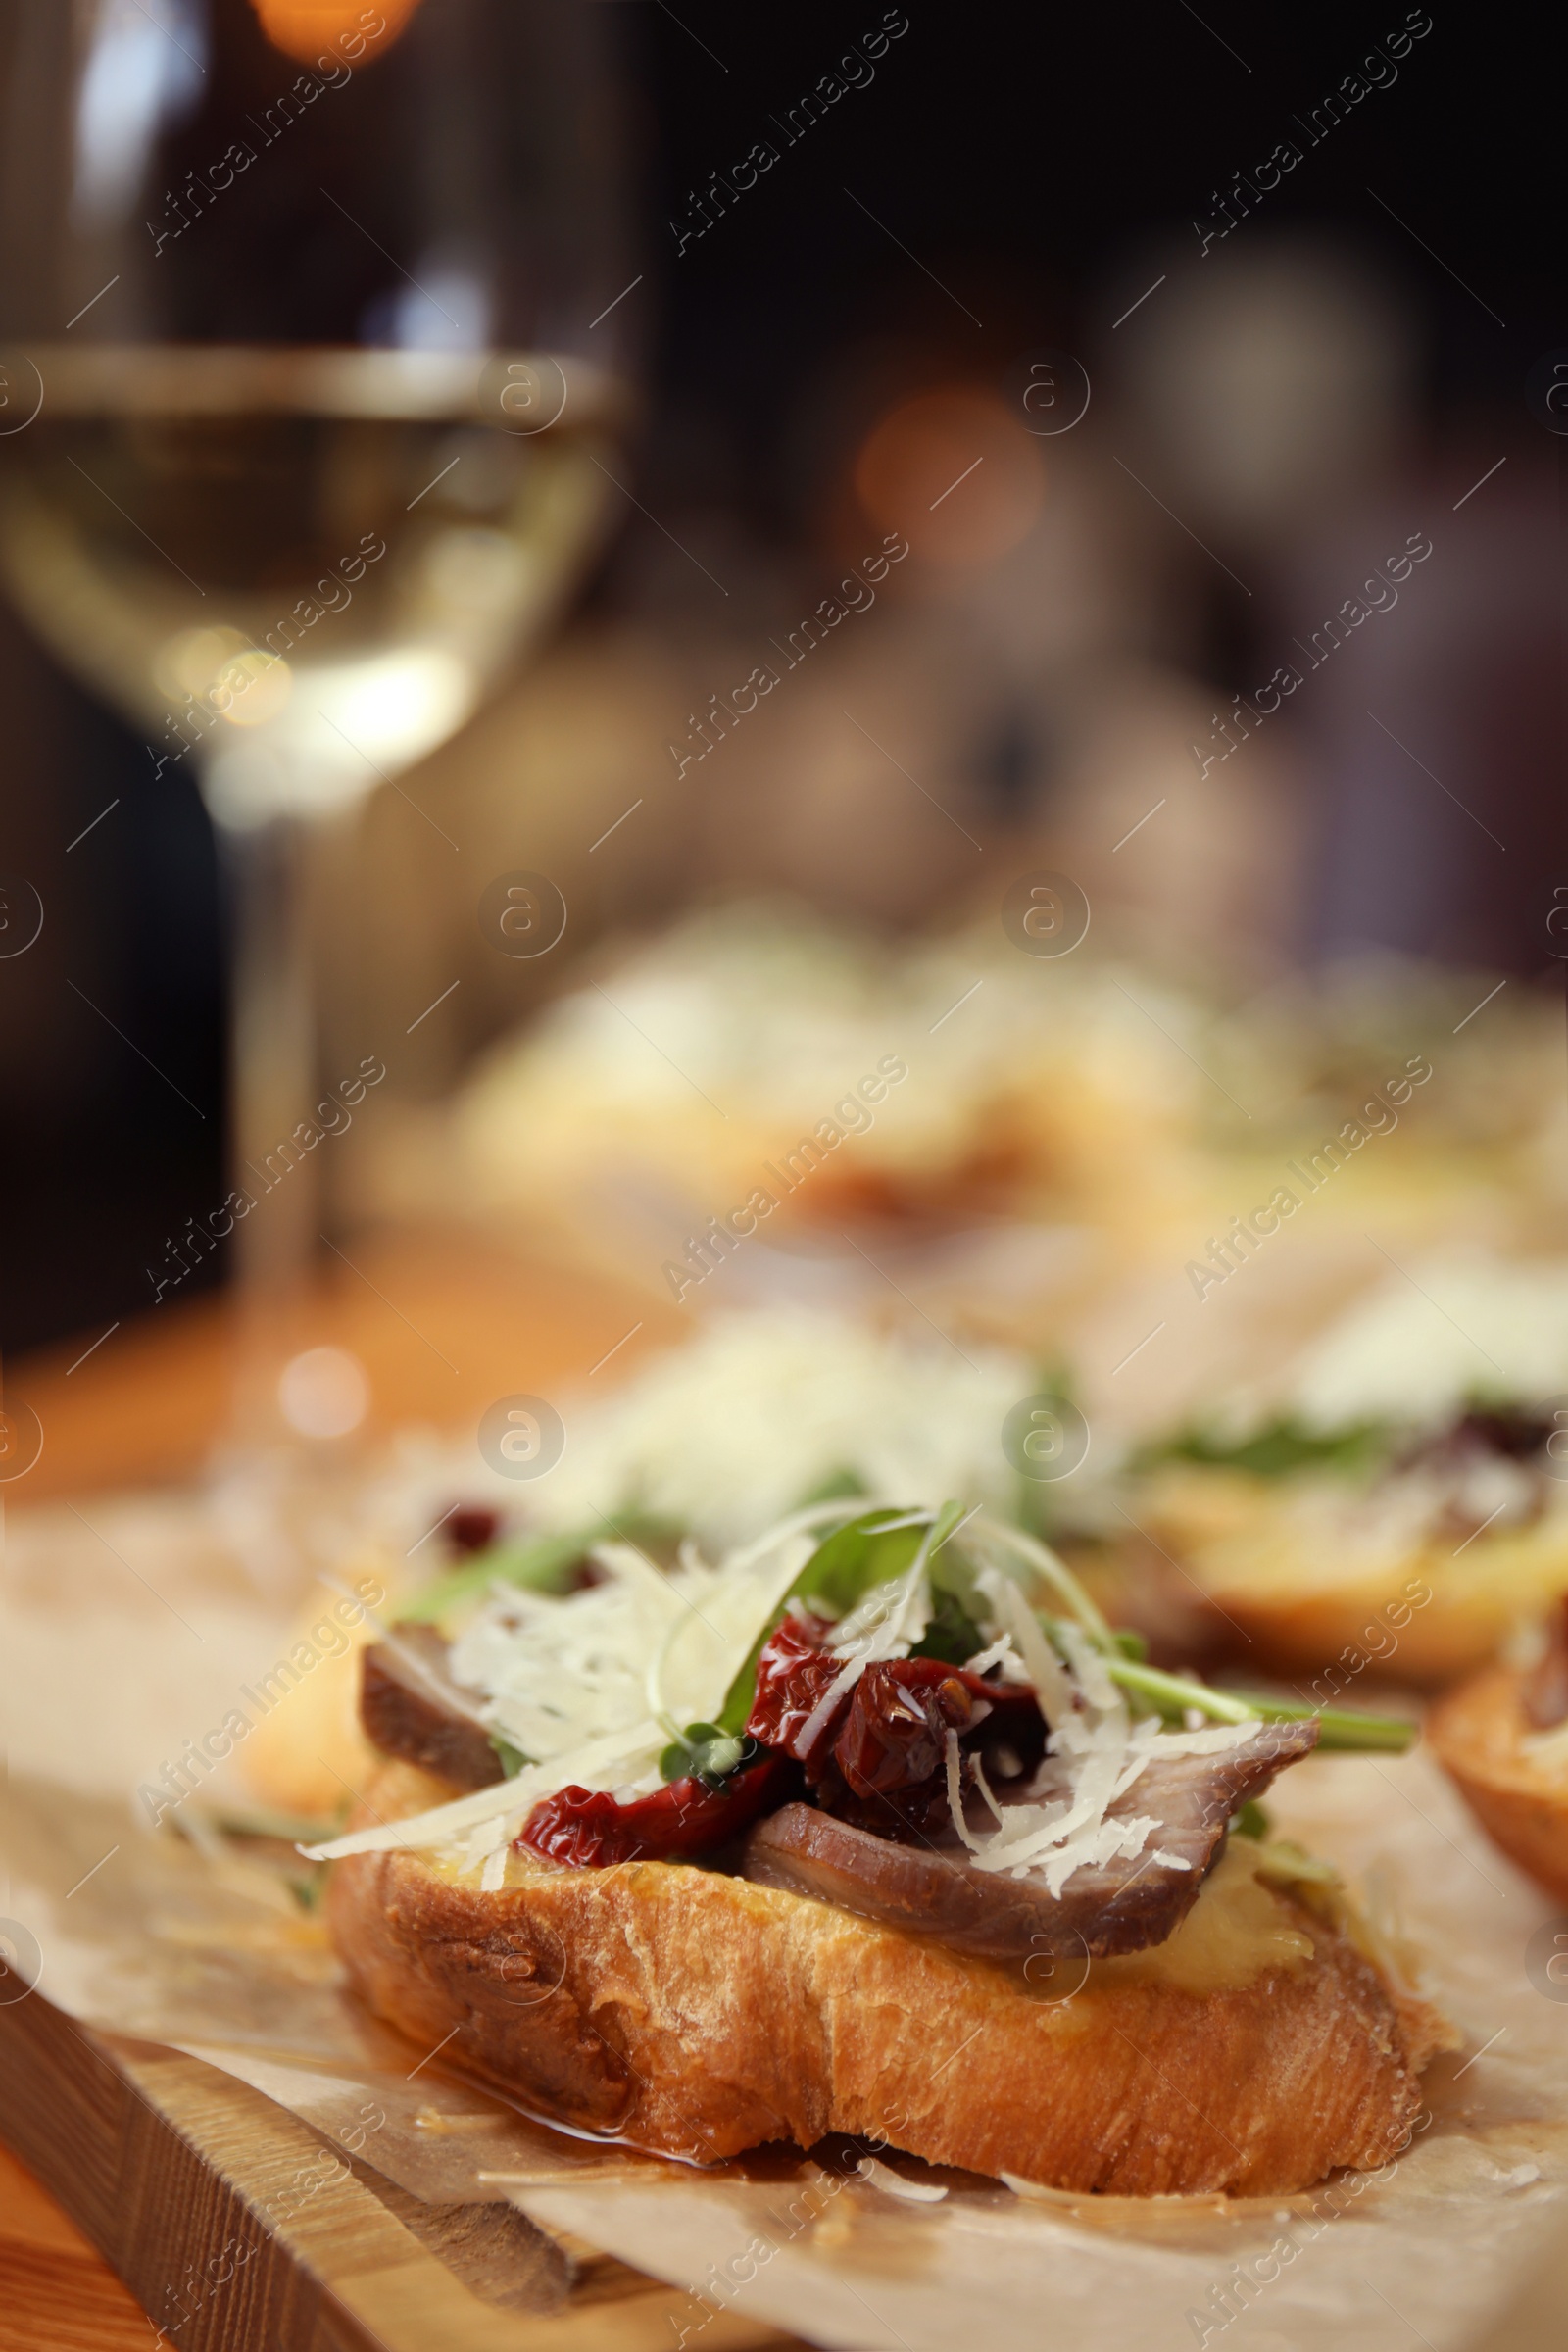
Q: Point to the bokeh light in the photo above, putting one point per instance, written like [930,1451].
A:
[307,29]
[954,472]
[323,1392]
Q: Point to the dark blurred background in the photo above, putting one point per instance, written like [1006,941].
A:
[1276,413]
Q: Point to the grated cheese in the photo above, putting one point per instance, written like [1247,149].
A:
[724,1434]
[1000,1653]
[1422,1346]
[1041,1667]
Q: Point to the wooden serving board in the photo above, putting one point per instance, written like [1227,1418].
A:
[170,2169]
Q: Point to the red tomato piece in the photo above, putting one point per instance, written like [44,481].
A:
[589,1829]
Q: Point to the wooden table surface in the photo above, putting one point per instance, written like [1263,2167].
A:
[443,1326]
[56,2294]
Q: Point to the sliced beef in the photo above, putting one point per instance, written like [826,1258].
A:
[1125,1907]
[410,1709]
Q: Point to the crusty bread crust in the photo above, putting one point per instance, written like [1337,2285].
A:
[697,2015]
[1314,1611]
[1331,1638]
[1476,1734]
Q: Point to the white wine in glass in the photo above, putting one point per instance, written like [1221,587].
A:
[308,394]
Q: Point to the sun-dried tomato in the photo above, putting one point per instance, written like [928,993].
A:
[470,1528]
[894,1735]
[794,1674]
[588,1828]
[886,1736]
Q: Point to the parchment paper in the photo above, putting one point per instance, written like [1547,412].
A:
[203,1947]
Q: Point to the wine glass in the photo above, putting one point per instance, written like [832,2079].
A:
[314,345]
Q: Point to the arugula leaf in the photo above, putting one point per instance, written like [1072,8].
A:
[540,1563]
[1278,1449]
[843,1569]
[954,1633]
[290,1829]
[951,1635]
[867,1551]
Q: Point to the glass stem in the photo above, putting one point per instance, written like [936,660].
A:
[275,1067]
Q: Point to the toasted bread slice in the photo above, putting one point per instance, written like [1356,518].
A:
[1323,1600]
[308,1746]
[1520,1798]
[697,2014]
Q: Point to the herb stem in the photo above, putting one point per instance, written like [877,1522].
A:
[1173,1695]
[1055,1572]
[1343,1727]
[1338,1727]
